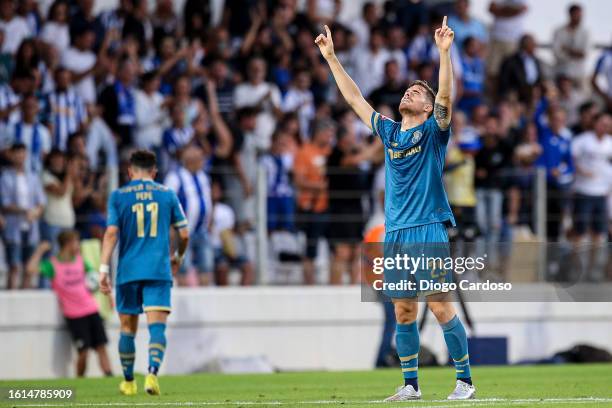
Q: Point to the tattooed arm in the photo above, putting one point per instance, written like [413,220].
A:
[443,104]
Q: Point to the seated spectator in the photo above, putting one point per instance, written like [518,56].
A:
[229,249]
[22,202]
[521,72]
[473,75]
[592,155]
[192,187]
[70,277]
[31,133]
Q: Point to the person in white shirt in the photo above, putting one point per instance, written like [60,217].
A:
[56,33]
[361,26]
[260,94]
[151,117]
[592,155]
[507,28]
[299,99]
[34,135]
[81,61]
[16,28]
[570,44]
[370,72]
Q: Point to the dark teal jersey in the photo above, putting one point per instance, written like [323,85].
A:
[144,211]
[414,161]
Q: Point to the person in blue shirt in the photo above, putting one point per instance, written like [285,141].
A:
[473,75]
[416,207]
[140,215]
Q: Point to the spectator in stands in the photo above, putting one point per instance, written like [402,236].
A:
[81,61]
[118,103]
[604,68]
[33,134]
[521,72]
[473,75]
[220,74]
[347,185]
[391,91]
[570,97]
[262,95]
[278,164]
[506,31]
[466,26]
[151,115]
[312,191]
[58,182]
[66,111]
[586,114]
[70,276]
[592,155]
[192,187]
[22,200]
[397,43]
[56,32]
[570,44]
[412,16]
[15,26]
[362,26]
[174,139]
[556,158]
[371,60]
[299,99]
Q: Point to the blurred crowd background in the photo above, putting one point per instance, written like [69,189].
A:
[250,131]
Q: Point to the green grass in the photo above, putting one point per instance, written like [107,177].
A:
[524,386]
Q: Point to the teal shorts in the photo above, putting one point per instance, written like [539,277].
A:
[146,295]
[423,252]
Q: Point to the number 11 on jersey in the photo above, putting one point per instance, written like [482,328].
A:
[139,209]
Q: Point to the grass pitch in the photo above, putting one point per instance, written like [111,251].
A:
[523,386]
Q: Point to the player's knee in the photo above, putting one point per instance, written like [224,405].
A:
[405,312]
[443,311]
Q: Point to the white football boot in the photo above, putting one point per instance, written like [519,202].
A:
[463,391]
[405,393]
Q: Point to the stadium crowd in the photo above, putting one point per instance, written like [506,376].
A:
[81,91]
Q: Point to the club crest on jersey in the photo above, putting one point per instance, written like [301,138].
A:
[416,136]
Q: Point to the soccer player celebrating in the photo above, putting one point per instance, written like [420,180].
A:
[140,215]
[416,206]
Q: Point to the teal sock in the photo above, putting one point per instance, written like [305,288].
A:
[127,354]
[407,342]
[456,341]
[157,346]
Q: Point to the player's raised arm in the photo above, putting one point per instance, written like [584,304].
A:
[347,86]
[443,105]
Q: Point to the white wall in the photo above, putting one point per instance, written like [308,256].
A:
[295,328]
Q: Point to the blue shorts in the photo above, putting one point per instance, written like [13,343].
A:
[145,295]
[281,211]
[198,255]
[429,246]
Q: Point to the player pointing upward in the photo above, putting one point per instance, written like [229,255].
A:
[140,215]
[416,206]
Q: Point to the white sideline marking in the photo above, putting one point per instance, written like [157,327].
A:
[447,404]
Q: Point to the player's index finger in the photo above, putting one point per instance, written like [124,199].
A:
[444,22]
[327,30]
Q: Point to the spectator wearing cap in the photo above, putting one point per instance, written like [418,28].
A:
[16,27]
[570,44]
[312,191]
[22,201]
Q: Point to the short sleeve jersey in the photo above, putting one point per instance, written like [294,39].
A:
[414,162]
[144,211]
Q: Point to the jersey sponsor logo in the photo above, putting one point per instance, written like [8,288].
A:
[416,136]
[400,154]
